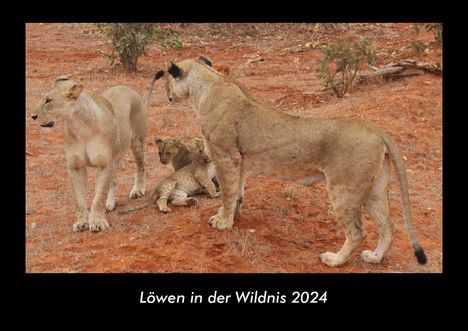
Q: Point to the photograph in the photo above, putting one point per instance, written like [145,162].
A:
[235,148]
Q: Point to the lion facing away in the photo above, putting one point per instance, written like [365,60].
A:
[246,137]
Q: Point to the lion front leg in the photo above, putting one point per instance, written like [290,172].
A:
[104,177]
[207,184]
[228,174]
[78,179]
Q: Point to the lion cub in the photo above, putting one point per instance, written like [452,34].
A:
[172,150]
[181,185]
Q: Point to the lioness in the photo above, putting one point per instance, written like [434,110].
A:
[246,136]
[99,128]
[181,185]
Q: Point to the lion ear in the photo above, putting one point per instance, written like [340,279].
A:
[174,70]
[158,140]
[205,60]
[159,74]
[60,79]
[73,92]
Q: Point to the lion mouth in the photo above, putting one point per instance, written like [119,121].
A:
[48,125]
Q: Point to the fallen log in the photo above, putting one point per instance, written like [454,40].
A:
[401,69]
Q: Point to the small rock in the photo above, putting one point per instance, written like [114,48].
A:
[427,51]
[428,82]
[33,225]
[132,238]
[251,230]
[405,158]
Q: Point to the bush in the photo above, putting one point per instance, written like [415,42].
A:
[341,62]
[129,41]
[174,42]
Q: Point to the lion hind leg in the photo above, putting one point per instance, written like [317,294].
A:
[110,202]
[138,143]
[347,209]
[376,204]
[138,149]
[181,198]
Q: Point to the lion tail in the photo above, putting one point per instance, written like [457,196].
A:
[150,201]
[149,87]
[397,161]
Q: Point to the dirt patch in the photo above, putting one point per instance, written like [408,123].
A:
[284,226]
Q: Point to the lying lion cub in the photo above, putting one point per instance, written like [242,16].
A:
[246,136]
[99,128]
[181,185]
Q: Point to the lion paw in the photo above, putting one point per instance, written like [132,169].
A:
[98,223]
[137,192]
[110,205]
[165,209]
[331,259]
[81,225]
[370,257]
[191,202]
[220,223]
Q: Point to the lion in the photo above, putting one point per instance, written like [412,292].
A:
[98,130]
[181,185]
[173,151]
[246,137]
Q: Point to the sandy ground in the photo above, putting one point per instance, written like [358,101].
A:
[284,226]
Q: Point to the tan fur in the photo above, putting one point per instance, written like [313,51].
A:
[172,150]
[99,129]
[181,185]
[245,136]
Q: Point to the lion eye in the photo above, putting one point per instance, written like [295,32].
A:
[47,100]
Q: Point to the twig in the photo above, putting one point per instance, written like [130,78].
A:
[258,59]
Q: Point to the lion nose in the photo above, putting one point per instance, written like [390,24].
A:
[170,98]
[34,117]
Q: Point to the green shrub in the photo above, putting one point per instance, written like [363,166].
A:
[341,62]
[129,41]
[174,42]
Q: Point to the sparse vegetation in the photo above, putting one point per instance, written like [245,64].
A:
[174,42]
[130,41]
[341,62]
[436,28]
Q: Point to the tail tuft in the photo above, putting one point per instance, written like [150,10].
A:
[420,255]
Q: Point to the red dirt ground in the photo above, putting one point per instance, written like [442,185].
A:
[284,226]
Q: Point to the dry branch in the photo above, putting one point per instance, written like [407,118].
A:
[258,59]
[403,68]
